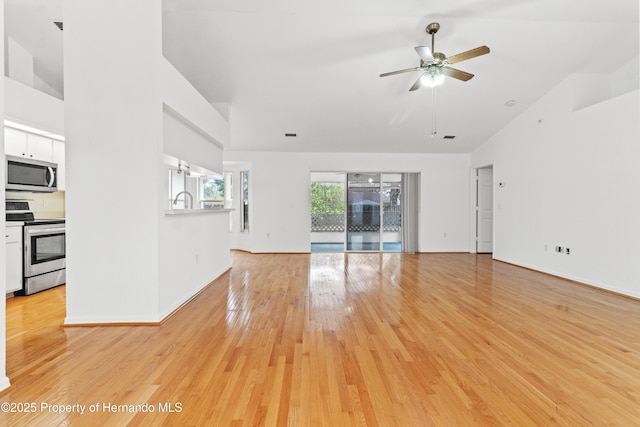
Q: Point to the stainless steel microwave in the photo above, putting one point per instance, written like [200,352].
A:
[23,174]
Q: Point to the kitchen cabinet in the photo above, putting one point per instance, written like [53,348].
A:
[14,258]
[24,144]
[15,142]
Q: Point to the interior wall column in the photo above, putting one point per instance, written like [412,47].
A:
[4,381]
[113,125]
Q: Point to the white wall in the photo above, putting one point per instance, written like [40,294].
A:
[20,62]
[625,78]
[183,141]
[127,261]
[21,69]
[571,179]
[113,122]
[193,249]
[42,86]
[28,106]
[180,96]
[280,199]
[4,380]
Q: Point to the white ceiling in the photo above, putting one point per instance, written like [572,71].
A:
[312,68]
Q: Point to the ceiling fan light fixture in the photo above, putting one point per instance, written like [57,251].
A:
[433,77]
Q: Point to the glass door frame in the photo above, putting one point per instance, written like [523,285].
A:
[363,212]
[382,178]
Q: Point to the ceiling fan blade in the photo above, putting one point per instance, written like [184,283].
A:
[482,50]
[417,84]
[406,70]
[424,52]
[456,74]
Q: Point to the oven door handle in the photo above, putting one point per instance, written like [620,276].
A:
[46,231]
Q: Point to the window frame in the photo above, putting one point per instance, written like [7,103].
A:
[244,201]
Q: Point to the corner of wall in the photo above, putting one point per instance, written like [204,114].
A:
[180,96]
[4,380]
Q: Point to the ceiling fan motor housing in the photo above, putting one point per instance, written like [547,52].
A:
[439,58]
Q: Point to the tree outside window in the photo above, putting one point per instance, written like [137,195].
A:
[212,188]
[327,206]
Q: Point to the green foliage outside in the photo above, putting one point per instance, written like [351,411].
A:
[213,188]
[327,198]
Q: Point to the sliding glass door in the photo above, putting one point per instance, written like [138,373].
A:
[328,201]
[391,199]
[363,212]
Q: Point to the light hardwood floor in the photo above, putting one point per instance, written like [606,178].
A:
[340,340]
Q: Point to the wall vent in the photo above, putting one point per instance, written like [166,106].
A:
[291,135]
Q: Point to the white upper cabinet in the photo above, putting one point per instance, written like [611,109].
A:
[24,144]
[15,142]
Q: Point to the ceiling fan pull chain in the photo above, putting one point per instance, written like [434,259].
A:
[433,111]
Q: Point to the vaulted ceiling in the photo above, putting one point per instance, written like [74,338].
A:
[312,68]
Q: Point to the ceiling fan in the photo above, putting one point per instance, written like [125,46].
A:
[435,65]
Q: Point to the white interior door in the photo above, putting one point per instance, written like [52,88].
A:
[485,211]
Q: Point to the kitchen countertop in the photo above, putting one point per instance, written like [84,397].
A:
[178,212]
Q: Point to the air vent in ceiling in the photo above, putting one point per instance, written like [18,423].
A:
[58,24]
[448,137]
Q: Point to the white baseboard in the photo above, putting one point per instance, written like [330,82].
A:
[577,279]
[4,383]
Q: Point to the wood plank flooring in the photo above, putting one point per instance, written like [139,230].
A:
[339,340]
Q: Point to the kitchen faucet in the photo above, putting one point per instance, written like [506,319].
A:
[186,193]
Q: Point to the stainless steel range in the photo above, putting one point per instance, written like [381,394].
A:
[44,249]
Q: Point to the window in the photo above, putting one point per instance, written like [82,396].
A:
[244,223]
[211,191]
[212,187]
